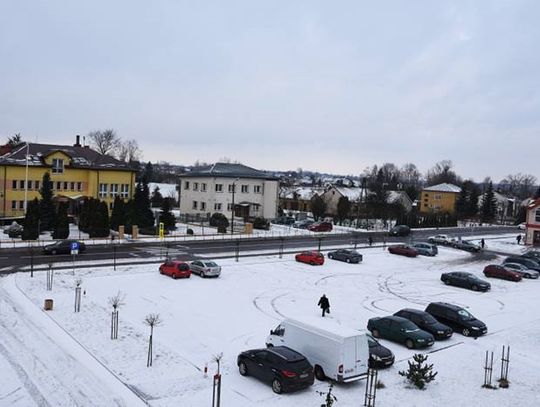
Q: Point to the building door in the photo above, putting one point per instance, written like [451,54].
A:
[536,238]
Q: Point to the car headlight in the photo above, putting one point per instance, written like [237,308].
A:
[475,328]
[420,340]
[440,332]
[377,358]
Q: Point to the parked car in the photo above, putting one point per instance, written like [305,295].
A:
[284,220]
[426,322]
[496,271]
[521,269]
[532,254]
[62,247]
[457,318]
[425,249]
[175,269]
[466,245]
[285,369]
[321,227]
[379,356]
[400,330]
[444,240]
[311,257]
[522,226]
[205,268]
[337,352]
[347,255]
[400,230]
[403,250]
[303,224]
[525,261]
[465,280]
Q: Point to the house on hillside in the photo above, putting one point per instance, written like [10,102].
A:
[224,187]
[298,198]
[76,172]
[505,207]
[439,198]
[532,231]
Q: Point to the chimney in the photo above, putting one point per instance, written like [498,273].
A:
[78,141]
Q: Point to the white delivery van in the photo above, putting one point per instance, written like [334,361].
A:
[335,351]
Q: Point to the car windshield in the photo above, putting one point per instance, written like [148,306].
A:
[210,264]
[428,319]
[465,315]
[372,342]
[409,327]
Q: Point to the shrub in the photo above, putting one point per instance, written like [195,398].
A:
[218,219]
[419,374]
[261,223]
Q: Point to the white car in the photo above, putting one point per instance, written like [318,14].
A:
[522,226]
[440,239]
[205,268]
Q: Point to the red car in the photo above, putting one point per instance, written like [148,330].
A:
[321,227]
[313,258]
[175,269]
[494,270]
[403,250]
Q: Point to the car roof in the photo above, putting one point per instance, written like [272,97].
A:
[445,305]
[396,318]
[286,353]
[414,311]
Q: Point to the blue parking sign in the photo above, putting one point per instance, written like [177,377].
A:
[74,245]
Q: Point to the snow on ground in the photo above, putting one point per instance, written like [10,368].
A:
[203,317]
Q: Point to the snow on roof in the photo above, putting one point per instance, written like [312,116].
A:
[444,188]
[325,326]
[353,193]
[166,190]
[305,193]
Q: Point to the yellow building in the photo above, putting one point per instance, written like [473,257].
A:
[76,172]
[439,198]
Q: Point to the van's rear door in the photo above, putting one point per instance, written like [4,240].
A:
[355,357]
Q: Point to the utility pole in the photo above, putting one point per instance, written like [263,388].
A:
[232,209]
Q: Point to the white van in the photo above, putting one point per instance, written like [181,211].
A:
[336,352]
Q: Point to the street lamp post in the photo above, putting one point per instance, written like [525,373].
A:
[232,208]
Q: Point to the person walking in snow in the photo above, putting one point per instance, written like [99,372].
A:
[370,241]
[518,238]
[324,304]
[483,243]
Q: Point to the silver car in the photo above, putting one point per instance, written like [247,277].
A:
[521,269]
[205,268]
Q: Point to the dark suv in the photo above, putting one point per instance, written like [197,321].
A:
[400,230]
[457,318]
[426,322]
[282,367]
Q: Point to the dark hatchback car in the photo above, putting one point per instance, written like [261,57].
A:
[349,256]
[426,322]
[400,330]
[403,250]
[400,230]
[283,368]
[62,247]
[527,262]
[379,356]
[465,280]
[457,318]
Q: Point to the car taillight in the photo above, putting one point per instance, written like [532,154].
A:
[340,369]
[288,373]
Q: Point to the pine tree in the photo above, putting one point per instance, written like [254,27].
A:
[118,215]
[472,207]
[61,224]
[168,219]
[419,374]
[157,198]
[462,202]
[318,207]
[46,205]
[489,205]
[142,214]
[343,208]
[31,221]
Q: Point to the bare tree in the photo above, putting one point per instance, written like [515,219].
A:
[520,185]
[442,172]
[116,302]
[128,150]
[103,141]
[14,140]
[151,320]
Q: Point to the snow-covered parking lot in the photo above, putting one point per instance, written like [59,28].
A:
[203,317]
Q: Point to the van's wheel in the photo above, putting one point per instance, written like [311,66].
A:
[409,344]
[465,332]
[242,368]
[276,386]
[474,287]
[319,373]
[348,260]
[375,333]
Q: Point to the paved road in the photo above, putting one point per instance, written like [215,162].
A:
[12,259]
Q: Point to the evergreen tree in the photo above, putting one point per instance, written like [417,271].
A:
[61,224]
[168,219]
[46,205]
[31,221]
[149,172]
[157,198]
[142,214]
[489,205]
[343,208]
[318,207]
[118,215]
[462,202]
[474,195]
[419,374]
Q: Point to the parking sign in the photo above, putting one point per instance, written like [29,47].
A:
[74,248]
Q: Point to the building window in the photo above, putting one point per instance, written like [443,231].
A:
[102,190]
[114,190]
[437,197]
[21,205]
[65,186]
[29,184]
[79,186]
[256,208]
[231,188]
[257,189]
[537,216]
[58,185]
[111,205]
[36,184]
[125,190]
[195,204]
[217,206]
[57,166]
[14,205]
[203,187]
[14,184]
[219,187]
[203,206]
[245,189]
[229,207]
[195,186]
[72,186]
[186,184]
[21,184]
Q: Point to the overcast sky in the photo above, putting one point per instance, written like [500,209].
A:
[332,86]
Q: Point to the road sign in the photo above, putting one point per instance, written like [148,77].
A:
[161,230]
[74,248]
